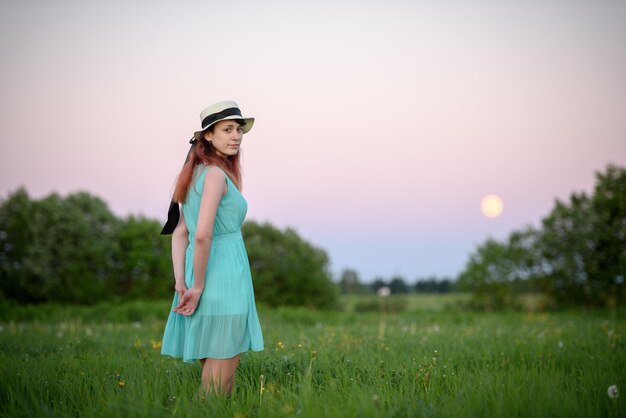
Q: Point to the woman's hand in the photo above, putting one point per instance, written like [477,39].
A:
[189,302]
[180,288]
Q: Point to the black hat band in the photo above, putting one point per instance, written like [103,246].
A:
[232,111]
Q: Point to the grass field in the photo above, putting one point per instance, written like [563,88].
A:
[433,360]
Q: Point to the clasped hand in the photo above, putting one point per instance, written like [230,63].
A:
[188,302]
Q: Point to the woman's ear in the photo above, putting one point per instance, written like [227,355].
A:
[208,135]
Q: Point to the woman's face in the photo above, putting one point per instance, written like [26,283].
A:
[225,137]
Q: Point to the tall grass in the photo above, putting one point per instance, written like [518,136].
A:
[104,361]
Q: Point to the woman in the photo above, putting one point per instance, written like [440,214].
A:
[214,316]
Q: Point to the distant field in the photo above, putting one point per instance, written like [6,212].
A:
[414,302]
[432,360]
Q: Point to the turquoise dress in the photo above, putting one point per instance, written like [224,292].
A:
[226,322]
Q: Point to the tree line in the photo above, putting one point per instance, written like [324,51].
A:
[73,249]
[350,283]
[575,258]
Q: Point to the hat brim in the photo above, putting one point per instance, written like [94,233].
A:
[247,125]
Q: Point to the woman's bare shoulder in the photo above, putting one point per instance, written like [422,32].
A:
[214,178]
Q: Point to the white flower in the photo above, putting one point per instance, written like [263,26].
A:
[560,344]
[613,392]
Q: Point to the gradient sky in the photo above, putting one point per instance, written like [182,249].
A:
[380,125]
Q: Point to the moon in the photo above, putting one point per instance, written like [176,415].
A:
[491,206]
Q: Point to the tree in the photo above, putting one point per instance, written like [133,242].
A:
[349,282]
[286,269]
[397,285]
[16,237]
[144,260]
[609,206]
[494,266]
[583,244]
[378,283]
[57,249]
[434,285]
[567,244]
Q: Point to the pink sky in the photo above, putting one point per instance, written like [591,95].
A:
[379,126]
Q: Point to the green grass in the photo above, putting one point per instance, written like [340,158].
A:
[433,360]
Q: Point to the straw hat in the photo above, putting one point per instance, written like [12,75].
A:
[221,111]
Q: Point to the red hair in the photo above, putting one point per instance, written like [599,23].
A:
[202,152]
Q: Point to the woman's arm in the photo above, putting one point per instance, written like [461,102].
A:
[212,192]
[180,240]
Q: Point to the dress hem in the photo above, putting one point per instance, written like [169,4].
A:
[191,360]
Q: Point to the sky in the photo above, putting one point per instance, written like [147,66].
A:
[379,125]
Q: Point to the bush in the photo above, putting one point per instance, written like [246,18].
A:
[286,269]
